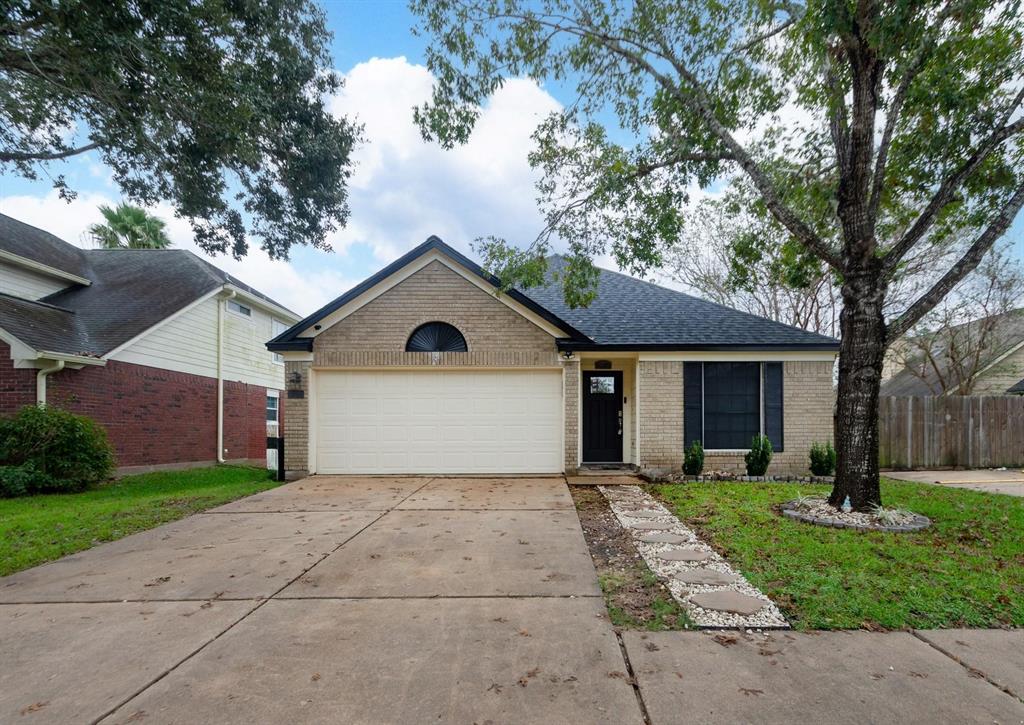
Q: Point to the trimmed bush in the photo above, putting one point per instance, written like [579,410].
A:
[759,457]
[823,459]
[45,449]
[693,460]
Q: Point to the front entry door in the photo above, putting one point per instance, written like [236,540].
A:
[602,416]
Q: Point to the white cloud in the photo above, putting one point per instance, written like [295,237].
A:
[405,189]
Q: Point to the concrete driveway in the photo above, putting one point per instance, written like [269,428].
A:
[987,480]
[357,600]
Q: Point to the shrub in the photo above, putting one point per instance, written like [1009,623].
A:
[823,459]
[760,455]
[693,461]
[45,449]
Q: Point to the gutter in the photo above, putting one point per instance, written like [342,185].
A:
[41,380]
[221,303]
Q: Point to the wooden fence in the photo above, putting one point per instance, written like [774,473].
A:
[951,431]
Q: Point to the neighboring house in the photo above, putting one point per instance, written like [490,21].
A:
[424,368]
[992,367]
[163,349]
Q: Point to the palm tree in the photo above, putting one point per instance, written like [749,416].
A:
[129,227]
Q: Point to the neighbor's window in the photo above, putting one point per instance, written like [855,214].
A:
[239,308]
[272,403]
[602,384]
[728,403]
[276,328]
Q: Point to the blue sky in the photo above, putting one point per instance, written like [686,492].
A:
[402,191]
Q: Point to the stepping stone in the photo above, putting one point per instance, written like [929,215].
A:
[664,539]
[653,526]
[646,514]
[705,576]
[684,555]
[728,601]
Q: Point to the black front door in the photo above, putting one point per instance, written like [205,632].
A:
[602,416]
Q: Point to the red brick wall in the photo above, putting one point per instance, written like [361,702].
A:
[152,416]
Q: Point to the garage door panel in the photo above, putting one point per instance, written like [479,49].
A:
[439,422]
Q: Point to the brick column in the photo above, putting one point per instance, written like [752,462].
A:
[571,392]
[660,423]
[296,421]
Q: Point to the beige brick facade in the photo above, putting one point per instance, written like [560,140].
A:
[296,418]
[571,398]
[660,415]
[375,334]
[500,337]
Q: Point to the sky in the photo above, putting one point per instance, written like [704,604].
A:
[402,189]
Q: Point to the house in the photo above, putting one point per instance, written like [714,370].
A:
[163,349]
[980,357]
[425,368]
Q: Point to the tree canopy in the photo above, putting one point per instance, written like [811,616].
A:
[216,107]
[868,130]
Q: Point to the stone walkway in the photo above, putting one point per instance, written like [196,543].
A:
[711,591]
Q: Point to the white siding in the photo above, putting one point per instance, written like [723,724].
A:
[246,357]
[188,344]
[27,284]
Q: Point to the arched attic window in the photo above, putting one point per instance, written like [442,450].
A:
[436,337]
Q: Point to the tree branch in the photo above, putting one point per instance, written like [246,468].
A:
[967,264]
[15,156]
[944,195]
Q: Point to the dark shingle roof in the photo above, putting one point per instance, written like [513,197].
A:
[131,290]
[632,312]
[42,247]
[1017,388]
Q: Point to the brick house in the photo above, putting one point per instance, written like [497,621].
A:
[426,368]
[163,349]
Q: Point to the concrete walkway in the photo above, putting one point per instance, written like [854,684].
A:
[374,600]
[391,600]
[1009,482]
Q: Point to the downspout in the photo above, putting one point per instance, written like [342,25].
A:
[41,380]
[221,303]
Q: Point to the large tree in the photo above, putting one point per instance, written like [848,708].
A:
[215,106]
[869,130]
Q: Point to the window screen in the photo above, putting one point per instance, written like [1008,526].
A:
[732,404]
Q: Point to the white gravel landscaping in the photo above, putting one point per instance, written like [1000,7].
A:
[645,518]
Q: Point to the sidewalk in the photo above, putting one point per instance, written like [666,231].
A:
[939,676]
[1009,482]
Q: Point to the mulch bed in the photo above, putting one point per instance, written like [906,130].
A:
[636,599]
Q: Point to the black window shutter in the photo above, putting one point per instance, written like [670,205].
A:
[773,404]
[693,413]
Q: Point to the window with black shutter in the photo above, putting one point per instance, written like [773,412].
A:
[726,404]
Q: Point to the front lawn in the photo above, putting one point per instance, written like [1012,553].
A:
[966,570]
[37,529]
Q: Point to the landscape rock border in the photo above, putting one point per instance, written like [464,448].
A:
[660,475]
[792,510]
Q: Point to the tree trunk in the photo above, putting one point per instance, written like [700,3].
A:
[861,354]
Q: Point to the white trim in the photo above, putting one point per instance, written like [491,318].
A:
[192,305]
[43,268]
[312,424]
[252,300]
[21,351]
[273,393]
[407,368]
[297,356]
[742,356]
[410,269]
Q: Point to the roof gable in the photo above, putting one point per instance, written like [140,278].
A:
[300,336]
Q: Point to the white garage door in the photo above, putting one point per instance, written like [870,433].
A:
[449,421]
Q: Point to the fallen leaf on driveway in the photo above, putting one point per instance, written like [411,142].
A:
[34,707]
[750,691]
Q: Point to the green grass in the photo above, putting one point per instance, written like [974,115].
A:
[36,529]
[966,570]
